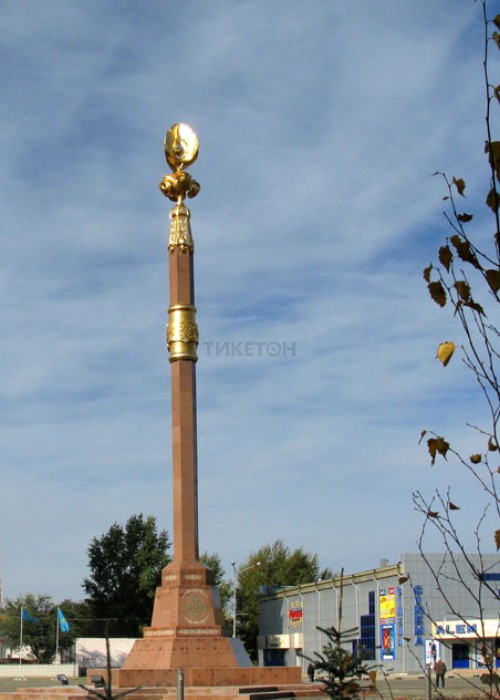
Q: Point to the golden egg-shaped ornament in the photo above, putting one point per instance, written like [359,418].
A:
[181,146]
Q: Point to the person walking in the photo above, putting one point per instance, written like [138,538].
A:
[310,672]
[440,671]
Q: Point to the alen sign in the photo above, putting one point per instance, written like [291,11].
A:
[466,629]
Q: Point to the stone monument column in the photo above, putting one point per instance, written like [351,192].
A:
[186,626]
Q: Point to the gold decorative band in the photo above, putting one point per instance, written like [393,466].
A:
[180,229]
[182,332]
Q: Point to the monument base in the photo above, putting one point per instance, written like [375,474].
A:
[210,677]
[186,633]
[162,654]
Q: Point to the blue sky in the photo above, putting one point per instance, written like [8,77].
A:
[320,124]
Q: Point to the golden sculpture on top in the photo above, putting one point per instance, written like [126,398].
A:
[181,150]
[181,146]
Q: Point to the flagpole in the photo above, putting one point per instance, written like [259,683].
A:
[21,677]
[21,644]
[57,633]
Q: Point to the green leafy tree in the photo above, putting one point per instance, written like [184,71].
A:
[125,565]
[79,617]
[272,565]
[465,279]
[213,562]
[39,632]
[41,636]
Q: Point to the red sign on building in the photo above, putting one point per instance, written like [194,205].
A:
[295,613]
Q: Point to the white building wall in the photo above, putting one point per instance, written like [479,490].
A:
[91,651]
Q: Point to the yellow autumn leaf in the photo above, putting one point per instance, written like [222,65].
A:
[445,351]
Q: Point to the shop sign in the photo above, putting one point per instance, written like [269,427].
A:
[387,604]
[277,641]
[399,616]
[295,613]
[388,641]
[281,641]
[463,629]
[456,629]
[419,616]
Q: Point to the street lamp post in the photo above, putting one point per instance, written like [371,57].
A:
[235,587]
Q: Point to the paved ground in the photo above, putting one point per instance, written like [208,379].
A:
[396,687]
[9,684]
[415,686]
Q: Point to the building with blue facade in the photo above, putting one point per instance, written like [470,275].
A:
[406,614]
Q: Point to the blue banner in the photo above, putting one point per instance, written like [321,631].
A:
[63,623]
[27,617]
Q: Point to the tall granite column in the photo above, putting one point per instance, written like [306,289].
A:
[186,626]
[182,340]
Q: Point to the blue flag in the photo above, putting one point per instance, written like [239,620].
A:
[27,617]
[63,623]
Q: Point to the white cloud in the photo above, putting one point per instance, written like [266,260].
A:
[320,125]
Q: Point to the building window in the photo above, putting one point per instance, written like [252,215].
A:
[366,646]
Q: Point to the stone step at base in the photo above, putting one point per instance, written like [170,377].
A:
[272,695]
[190,693]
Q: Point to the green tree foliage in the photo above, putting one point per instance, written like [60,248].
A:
[279,566]
[341,671]
[40,634]
[79,617]
[225,586]
[125,565]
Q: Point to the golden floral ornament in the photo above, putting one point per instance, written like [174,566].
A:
[180,230]
[182,333]
[186,332]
